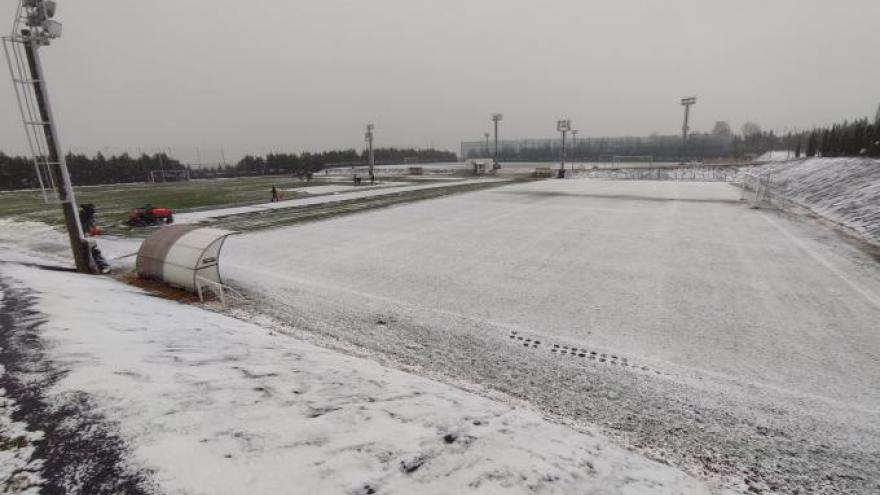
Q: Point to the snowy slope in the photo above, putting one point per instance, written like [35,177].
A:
[844,190]
[210,404]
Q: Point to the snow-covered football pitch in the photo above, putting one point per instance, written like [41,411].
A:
[733,340]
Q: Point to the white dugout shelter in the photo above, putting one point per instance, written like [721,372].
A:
[183,256]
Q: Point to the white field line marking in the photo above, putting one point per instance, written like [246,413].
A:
[869,296]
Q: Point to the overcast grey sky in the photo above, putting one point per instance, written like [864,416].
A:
[258,75]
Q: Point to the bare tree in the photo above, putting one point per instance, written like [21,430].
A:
[722,128]
[750,129]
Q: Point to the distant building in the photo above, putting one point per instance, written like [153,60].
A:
[670,146]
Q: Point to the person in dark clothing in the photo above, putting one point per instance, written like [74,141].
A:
[147,214]
[274,194]
[87,217]
[98,257]
[90,228]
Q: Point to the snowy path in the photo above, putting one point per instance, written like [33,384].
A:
[384,189]
[209,404]
[758,321]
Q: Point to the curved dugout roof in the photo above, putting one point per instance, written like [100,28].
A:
[184,256]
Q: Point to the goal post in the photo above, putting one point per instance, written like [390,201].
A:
[632,159]
[169,175]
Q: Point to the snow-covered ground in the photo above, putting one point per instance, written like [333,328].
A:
[738,343]
[368,192]
[843,190]
[204,403]
[700,324]
[339,188]
[775,156]
[656,269]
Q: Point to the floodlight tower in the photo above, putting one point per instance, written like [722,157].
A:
[33,29]
[563,126]
[369,137]
[496,118]
[686,103]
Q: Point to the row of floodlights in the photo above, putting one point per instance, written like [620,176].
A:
[39,16]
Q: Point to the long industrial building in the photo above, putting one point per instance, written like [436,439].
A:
[596,148]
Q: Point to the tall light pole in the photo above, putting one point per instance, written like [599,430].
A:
[486,135]
[686,103]
[33,29]
[574,143]
[369,137]
[496,118]
[563,126]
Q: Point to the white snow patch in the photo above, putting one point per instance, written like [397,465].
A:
[337,188]
[216,405]
[38,243]
[207,215]
[679,275]
[31,242]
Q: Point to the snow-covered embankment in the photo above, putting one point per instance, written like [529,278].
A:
[843,190]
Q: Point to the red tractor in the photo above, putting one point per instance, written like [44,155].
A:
[149,216]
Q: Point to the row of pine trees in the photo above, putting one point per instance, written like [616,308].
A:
[18,172]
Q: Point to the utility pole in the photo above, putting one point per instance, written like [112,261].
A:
[161,165]
[496,118]
[574,143]
[686,103]
[369,137]
[563,126]
[486,135]
[34,28]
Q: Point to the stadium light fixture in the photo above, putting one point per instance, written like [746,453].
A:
[33,29]
[687,103]
[369,138]
[563,126]
[496,118]
[38,15]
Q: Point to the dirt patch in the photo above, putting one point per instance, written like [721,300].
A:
[157,288]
